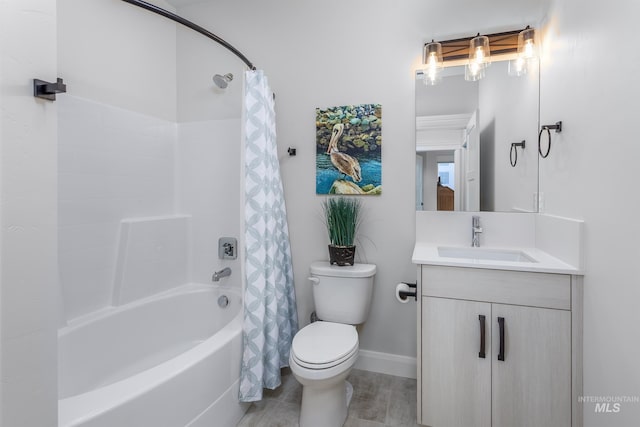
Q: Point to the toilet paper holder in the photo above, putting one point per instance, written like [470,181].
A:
[407,294]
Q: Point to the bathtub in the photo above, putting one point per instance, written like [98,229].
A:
[171,360]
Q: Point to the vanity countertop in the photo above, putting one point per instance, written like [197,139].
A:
[428,253]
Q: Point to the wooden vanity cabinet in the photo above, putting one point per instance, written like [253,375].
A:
[498,348]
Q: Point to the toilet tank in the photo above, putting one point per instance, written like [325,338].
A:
[342,294]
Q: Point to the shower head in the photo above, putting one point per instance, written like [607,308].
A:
[222,81]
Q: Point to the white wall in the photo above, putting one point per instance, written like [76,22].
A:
[453,95]
[508,113]
[118,54]
[28,262]
[198,60]
[429,181]
[339,53]
[589,81]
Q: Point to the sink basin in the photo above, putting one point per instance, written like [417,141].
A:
[511,255]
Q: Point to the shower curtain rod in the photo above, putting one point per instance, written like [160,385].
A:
[170,15]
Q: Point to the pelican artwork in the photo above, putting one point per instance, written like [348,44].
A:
[345,164]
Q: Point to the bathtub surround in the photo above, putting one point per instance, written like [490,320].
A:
[113,164]
[116,163]
[207,157]
[153,256]
[270,316]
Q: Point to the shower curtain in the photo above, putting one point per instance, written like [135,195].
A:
[270,317]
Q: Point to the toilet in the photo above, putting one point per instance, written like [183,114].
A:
[323,353]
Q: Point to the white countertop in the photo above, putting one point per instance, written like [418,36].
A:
[427,253]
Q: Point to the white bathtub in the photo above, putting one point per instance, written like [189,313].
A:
[169,360]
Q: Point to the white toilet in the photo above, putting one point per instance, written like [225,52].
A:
[323,353]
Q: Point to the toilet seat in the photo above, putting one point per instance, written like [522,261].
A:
[323,345]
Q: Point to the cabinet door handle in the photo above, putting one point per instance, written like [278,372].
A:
[481,318]
[501,326]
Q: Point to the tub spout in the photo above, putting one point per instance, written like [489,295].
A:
[220,274]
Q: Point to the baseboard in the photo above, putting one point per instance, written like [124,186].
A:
[386,363]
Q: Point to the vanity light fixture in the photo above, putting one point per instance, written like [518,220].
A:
[477,52]
[432,58]
[479,58]
[527,48]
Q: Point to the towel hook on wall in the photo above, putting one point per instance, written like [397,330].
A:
[47,90]
[558,129]
[513,153]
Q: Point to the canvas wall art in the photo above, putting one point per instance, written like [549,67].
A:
[349,149]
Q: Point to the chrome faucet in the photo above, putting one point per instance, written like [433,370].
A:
[475,231]
[220,274]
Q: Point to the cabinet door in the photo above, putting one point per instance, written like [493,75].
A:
[456,380]
[531,387]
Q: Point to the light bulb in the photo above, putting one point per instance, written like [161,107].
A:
[529,49]
[474,71]
[479,50]
[432,58]
[517,67]
[479,58]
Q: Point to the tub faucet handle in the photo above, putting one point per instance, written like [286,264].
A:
[220,274]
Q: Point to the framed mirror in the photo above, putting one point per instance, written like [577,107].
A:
[476,141]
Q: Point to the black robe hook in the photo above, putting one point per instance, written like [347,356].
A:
[47,90]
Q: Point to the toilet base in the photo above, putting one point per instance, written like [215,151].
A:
[349,392]
[325,406]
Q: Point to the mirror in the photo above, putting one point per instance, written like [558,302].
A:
[464,134]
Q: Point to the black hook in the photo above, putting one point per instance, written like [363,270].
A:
[513,153]
[47,90]
[291,151]
[558,129]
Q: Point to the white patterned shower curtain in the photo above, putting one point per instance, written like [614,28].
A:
[270,317]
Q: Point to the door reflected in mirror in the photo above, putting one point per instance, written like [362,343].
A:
[464,132]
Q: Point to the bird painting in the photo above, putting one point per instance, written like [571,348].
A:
[345,164]
[349,149]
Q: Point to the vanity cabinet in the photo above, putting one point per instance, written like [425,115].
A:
[497,348]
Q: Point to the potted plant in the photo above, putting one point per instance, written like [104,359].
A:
[342,217]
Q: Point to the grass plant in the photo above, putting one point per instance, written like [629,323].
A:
[342,218]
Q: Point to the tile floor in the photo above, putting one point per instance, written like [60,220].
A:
[379,400]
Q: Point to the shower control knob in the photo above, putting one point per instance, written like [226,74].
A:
[227,248]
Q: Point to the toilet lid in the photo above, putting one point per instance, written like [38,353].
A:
[320,344]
